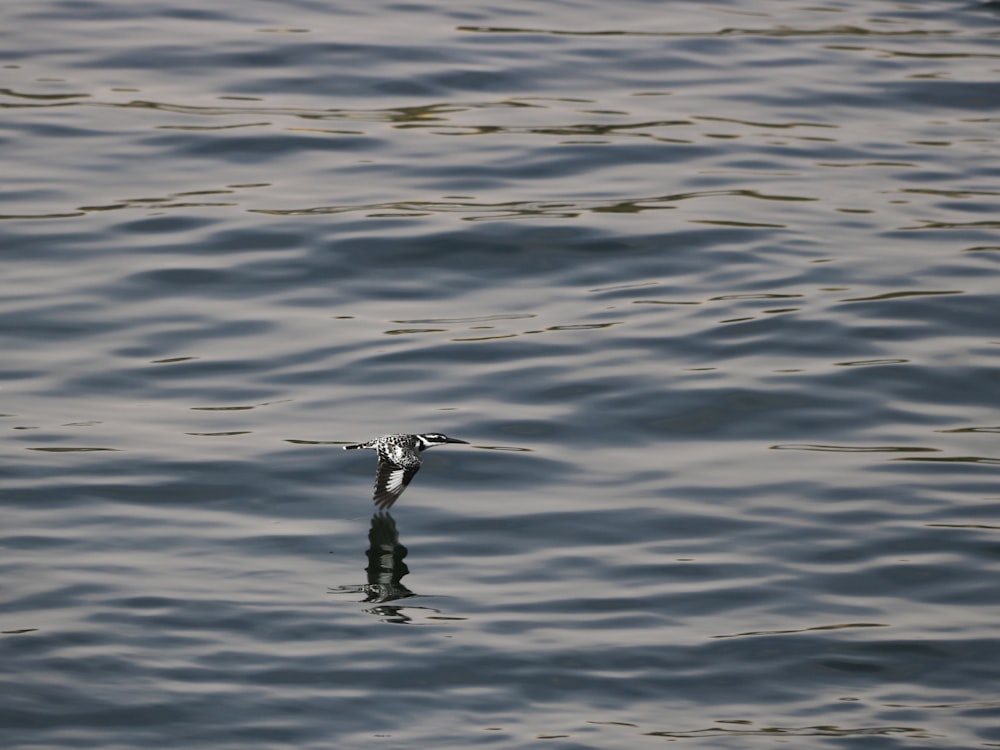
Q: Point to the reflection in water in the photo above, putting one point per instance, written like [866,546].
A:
[385,570]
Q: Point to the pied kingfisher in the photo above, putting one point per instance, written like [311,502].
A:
[399,461]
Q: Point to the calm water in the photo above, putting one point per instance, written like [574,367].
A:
[711,288]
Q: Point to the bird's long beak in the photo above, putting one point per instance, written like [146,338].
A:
[456,440]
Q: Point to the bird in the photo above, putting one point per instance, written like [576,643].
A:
[398,462]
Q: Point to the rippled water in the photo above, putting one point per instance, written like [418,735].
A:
[711,288]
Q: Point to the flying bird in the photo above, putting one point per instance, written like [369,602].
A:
[398,462]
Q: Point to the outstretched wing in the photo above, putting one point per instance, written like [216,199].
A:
[390,481]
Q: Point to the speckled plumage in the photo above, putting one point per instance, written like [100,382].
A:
[398,462]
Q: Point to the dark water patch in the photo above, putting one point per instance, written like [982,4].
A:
[956,459]
[974,430]
[795,731]
[855,448]
[232,433]
[173,360]
[839,626]
[261,147]
[65,449]
[159,224]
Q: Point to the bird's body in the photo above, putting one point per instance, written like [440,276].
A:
[398,461]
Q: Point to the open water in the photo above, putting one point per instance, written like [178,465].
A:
[710,287]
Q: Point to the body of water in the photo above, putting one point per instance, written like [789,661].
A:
[710,288]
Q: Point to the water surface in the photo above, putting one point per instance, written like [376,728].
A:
[709,287]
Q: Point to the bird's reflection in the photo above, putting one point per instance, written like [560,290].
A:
[385,570]
[385,561]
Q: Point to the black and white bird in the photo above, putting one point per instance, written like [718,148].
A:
[398,461]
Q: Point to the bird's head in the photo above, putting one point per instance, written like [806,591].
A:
[430,439]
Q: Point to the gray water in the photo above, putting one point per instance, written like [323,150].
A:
[710,288]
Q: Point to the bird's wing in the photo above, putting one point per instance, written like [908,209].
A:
[390,481]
